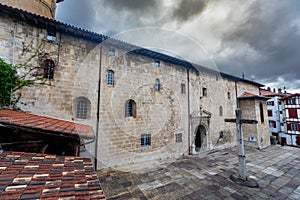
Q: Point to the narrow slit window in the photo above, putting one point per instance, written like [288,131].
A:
[221,111]
[183,88]
[261,110]
[157,85]
[204,92]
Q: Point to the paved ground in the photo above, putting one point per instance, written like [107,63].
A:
[276,169]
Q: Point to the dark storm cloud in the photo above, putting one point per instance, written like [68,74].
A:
[132,5]
[79,13]
[267,32]
[186,10]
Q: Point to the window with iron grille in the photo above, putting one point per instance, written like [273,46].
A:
[110,77]
[178,137]
[82,108]
[48,69]
[146,140]
[130,108]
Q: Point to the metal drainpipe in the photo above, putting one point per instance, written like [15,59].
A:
[189,128]
[98,107]
[13,44]
[79,145]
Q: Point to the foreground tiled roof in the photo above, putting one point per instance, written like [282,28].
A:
[41,176]
[36,122]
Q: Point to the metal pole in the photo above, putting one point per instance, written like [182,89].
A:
[241,149]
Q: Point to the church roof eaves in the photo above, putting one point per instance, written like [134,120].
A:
[50,24]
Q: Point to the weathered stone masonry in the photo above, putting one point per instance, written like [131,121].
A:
[191,103]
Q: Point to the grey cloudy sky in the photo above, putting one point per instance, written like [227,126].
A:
[260,38]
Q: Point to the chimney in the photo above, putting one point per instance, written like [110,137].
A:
[279,91]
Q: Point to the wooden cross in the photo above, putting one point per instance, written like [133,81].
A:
[241,150]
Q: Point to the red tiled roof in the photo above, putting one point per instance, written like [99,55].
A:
[289,96]
[246,95]
[37,122]
[268,93]
[42,176]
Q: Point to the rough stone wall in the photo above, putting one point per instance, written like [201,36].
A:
[76,70]
[39,7]
[161,113]
[251,110]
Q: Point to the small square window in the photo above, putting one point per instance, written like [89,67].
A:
[51,36]
[178,137]
[146,140]
[157,63]
[111,52]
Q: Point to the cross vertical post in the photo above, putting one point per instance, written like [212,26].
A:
[242,177]
[241,149]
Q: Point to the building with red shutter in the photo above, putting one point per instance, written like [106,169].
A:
[275,113]
[291,106]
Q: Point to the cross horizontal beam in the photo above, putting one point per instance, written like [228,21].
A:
[243,121]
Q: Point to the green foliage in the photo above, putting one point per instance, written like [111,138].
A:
[11,82]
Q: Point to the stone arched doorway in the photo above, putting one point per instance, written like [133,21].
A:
[200,133]
[200,138]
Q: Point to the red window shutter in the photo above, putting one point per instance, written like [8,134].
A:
[293,113]
[289,127]
[270,114]
[274,124]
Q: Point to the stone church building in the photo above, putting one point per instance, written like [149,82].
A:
[141,104]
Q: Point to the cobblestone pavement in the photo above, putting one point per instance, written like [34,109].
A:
[206,176]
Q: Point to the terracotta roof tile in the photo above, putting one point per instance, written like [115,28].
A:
[36,122]
[246,95]
[49,178]
[268,93]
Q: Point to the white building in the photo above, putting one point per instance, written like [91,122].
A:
[275,114]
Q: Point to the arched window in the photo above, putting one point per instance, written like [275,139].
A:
[221,111]
[83,106]
[49,69]
[110,77]
[130,108]
[261,110]
[157,85]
